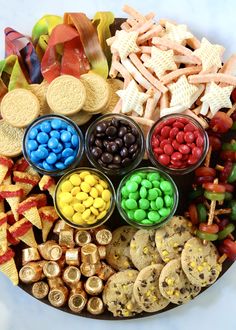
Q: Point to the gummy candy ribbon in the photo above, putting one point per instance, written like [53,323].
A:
[11,75]
[21,46]
[72,61]
[102,21]
[42,30]
[90,42]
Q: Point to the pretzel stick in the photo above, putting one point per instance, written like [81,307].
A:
[208,157]
[166,79]
[177,47]
[113,72]
[164,101]
[163,21]
[198,118]
[122,70]
[222,258]
[134,13]
[142,28]
[118,107]
[231,110]
[194,42]
[172,110]
[151,105]
[212,77]
[136,74]
[149,34]
[183,59]
[139,65]
[125,26]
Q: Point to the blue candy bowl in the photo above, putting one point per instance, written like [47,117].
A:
[53,144]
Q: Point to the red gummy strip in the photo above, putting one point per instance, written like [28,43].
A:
[10,218]
[7,256]
[8,194]
[73,53]
[22,230]
[41,202]
[24,206]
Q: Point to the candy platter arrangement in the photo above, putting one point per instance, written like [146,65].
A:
[117,163]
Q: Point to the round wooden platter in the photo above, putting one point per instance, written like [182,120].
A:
[184,186]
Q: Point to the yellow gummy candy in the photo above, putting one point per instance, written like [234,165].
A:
[93,210]
[90,180]
[106,195]
[75,191]
[98,202]
[77,218]
[85,187]
[83,174]
[79,207]
[86,214]
[66,186]
[88,202]
[99,188]
[65,197]
[103,184]
[68,211]
[82,196]
[101,215]
[91,220]
[93,192]
[75,179]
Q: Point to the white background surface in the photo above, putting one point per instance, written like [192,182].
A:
[215,308]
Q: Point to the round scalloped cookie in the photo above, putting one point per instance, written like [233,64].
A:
[66,95]
[115,85]
[146,289]
[40,90]
[118,294]
[174,285]
[118,251]
[200,262]
[11,139]
[143,249]
[170,239]
[19,107]
[97,92]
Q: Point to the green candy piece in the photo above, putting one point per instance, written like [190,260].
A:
[159,203]
[164,212]
[147,184]
[168,201]
[131,186]
[123,204]
[130,214]
[131,204]
[152,194]
[153,205]
[143,192]
[134,195]
[213,196]
[156,184]
[153,176]
[141,174]
[146,222]
[144,204]
[136,178]
[166,186]
[139,215]
[154,216]
[124,192]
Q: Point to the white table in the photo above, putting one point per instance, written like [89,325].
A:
[215,308]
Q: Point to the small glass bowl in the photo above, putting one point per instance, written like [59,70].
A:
[121,170]
[79,151]
[125,215]
[160,124]
[102,176]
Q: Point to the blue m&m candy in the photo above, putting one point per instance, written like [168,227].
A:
[52,144]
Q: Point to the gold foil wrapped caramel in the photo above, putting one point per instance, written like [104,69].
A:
[71,276]
[102,251]
[30,254]
[72,257]
[51,269]
[77,300]
[93,285]
[58,293]
[40,290]
[89,253]
[60,225]
[66,238]
[82,237]
[95,306]
[103,236]
[88,269]
[50,250]
[32,272]
[105,271]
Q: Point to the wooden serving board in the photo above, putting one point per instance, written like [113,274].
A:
[184,187]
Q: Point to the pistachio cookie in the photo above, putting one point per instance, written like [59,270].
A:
[174,285]
[200,262]
[118,294]
[170,239]
[143,249]
[118,251]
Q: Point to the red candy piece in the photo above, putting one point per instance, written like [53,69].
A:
[164,159]
[205,171]
[189,137]
[210,229]
[168,149]
[165,131]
